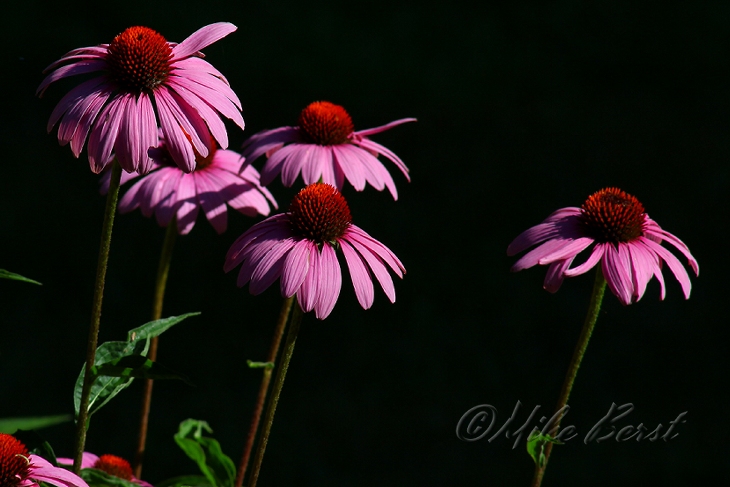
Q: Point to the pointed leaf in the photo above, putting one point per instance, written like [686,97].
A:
[16,277]
[536,446]
[206,452]
[155,328]
[11,425]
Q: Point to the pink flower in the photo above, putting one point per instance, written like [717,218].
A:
[144,80]
[625,240]
[111,464]
[299,246]
[18,468]
[169,192]
[325,146]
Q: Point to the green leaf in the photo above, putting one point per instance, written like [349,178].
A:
[259,365]
[185,480]
[11,425]
[536,446]
[206,452]
[98,478]
[157,327]
[105,387]
[16,277]
[137,367]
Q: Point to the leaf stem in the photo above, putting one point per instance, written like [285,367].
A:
[163,269]
[291,338]
[264,388]
[599,286]
[101,265]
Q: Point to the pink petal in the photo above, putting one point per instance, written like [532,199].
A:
[617,271]
[383,128]
[201,38]
[360,276]
[296,267]
[330,282]
[309,290]
[555,274]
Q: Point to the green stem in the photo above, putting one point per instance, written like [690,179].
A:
[163,268]
[264,388]
[599,286]
[291,338]
[101,265]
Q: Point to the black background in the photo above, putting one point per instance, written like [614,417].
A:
[522,109]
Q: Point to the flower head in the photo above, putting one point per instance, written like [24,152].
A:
[324,146]
[625,240]
[169,192]
[144,80]
[300,248]
[18,468]
[110,464]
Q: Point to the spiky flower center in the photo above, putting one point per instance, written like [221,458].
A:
[319,213]
[612,215]
[139,59]
[14,465]
[114,465]
[325,123]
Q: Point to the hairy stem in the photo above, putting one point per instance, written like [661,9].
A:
[101,265]
[599,286]
[264,389]
[291,338]
[163,268]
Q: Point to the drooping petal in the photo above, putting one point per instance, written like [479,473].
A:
[350,166]
[330,277]
[681,246]
[562,223]
[296,267]
[567,251]
[379,149]
[309,290]
[270,267]
[261,142]
[211,199]
[555,274]
[105,132]
[41,469]
[643,264]
[617,271]
[591,261]
[677,268]
[376,266]
[186,207]
[359,274]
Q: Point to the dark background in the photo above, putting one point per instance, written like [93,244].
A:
[522,109]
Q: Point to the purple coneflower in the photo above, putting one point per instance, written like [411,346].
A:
[627,243]
[110,464]
[325,147]
[19,468]
[299,246]
[217,180]
[144,80]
